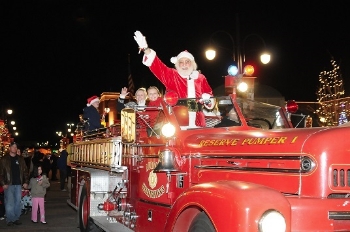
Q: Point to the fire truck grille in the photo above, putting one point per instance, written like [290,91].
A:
[340,178]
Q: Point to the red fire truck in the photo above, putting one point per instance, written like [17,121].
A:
[248,169]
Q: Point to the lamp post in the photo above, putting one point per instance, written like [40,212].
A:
[236,72]
[4,114]
[5,132]
[237,56]
[70,129]
[265,57]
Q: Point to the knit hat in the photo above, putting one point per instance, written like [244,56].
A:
[92,100]
[14,143]
[183,54]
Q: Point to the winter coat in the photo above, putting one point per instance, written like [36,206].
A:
[6,173]
[37,190]
[62,160]
[93,116]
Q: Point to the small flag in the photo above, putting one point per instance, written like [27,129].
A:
[131,86]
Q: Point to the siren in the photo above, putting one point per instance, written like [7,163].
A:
[291,106]
[249,70]
[232,70]
[171,98]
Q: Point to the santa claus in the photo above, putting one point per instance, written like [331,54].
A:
[184,79]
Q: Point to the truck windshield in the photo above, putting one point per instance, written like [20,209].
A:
[262,115]
[227,113]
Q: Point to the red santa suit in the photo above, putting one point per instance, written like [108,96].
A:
[192,86]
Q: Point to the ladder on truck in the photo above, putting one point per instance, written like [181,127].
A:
[103,154]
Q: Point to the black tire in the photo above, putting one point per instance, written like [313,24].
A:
[93,227]
[83,212]
[201,223]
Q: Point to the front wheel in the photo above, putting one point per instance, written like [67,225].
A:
[93,228]
[201,223]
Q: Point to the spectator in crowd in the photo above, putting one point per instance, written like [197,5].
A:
[62,166]
[46,165]
[185,79]
[69,169]
[13,176]
[37,160]
[53,161]
[27,157]
[91,113]
[38,185]
[2,204]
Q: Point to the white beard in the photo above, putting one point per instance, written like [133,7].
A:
[185,72]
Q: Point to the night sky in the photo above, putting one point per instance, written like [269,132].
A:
[57,53]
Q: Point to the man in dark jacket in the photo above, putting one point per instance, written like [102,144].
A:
[13,175]
[37,160]
[91,113]
[62,166]
[53,160]
[46,165]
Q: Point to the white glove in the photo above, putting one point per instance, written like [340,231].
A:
[206,96]
[208,103]
[140,40]
[123,93]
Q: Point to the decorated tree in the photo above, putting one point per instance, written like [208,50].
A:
[332,106]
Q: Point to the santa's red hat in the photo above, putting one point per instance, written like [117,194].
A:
[92,100]
[184,54]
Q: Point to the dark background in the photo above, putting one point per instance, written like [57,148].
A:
[57,53]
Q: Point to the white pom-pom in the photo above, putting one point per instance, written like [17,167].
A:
[173,60]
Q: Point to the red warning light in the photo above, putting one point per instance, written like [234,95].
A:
[291,106]
[248,70]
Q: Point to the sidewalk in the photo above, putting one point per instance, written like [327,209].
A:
[59,215]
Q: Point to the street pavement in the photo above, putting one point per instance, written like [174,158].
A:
[59,215]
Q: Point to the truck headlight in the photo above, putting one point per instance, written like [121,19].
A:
[272,221]
[168,130]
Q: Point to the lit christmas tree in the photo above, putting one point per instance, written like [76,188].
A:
[329,96]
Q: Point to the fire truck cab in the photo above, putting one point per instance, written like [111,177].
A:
[246,169]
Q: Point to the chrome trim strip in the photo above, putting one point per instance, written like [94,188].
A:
[275,157]
[250,169]
[336,215]
[150,145]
